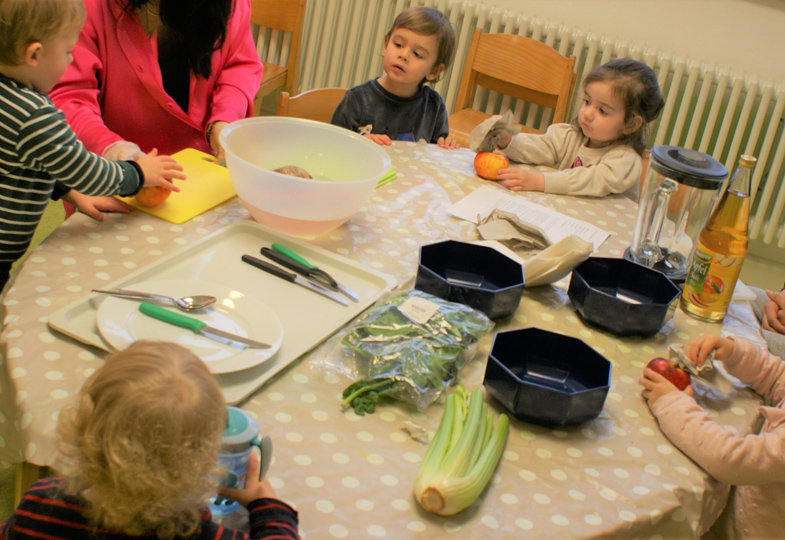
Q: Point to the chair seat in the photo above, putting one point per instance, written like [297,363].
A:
[273,77]
[464,121]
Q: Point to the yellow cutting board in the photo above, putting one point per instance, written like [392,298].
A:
[207,185]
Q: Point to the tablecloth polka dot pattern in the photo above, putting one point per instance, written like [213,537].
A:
[351,476]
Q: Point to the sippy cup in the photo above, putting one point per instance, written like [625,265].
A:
[240,437]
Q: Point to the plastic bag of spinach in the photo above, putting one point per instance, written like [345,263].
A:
[410,348]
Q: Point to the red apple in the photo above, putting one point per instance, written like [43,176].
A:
[679,377]
[152,196]
[487,164]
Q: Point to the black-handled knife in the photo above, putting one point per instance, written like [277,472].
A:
[294,278]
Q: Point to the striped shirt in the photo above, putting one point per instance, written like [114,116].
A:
[46,512]
[38,147]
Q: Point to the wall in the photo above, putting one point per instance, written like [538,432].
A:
[744,36]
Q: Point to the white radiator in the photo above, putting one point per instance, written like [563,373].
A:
[707,109]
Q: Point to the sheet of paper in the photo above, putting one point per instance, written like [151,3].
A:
[481,202]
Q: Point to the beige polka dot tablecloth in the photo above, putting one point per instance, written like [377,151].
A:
[351,476]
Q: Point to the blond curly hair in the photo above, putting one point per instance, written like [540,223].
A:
[23,22]
[140,445]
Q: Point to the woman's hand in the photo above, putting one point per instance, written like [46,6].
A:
[160,170]
[656,385]
[215,141]
[254,488]
[122,151]
[774,312]
[448,143]
[379,138]
[516,179]
[95,206]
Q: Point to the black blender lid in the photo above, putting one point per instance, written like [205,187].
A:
[688,167]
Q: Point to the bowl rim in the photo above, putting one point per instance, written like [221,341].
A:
[372,146]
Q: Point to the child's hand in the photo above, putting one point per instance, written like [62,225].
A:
[698,349]
[516,179]
[95,206]
[160,170]
[774,312]
[448,143]
[656,385]
[254,488]
[379,138]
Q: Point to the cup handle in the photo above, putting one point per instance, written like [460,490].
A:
[265,446]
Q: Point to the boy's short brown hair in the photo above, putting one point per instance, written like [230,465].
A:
[23,22]
[428,22]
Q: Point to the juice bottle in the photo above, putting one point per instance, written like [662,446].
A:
[719,253]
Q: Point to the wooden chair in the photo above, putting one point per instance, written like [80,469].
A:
[285,16]
[317,104]
[515,66]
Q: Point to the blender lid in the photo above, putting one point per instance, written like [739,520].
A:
[688,167]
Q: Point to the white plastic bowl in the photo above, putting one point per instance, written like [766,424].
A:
[345,167]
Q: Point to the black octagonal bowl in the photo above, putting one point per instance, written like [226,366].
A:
[478,276]
[621,296]
[547,378]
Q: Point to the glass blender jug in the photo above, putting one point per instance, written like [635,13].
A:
[679,191]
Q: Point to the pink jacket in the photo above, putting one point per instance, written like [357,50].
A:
[113,91]
[754,463]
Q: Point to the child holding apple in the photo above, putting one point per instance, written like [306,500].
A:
[37,147]
[753,464]
[398,105]
[599,152]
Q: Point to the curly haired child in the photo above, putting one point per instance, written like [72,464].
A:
[600,151]
[140,448]
[399,105]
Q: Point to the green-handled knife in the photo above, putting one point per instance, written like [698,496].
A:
[312,271]
[197,326]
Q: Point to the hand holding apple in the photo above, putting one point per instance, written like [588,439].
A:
[679,377]
[487,164]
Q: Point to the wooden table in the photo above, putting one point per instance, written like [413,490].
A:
[351,476]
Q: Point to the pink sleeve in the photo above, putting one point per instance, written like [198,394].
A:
[730,458]
[239,77]
[77,92]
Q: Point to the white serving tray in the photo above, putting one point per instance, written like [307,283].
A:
[307,318]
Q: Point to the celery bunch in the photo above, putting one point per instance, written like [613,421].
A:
[462,456]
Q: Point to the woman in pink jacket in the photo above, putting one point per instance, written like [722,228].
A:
[753,464]
[165,74]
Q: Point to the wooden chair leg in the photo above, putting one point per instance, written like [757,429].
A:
[26,474]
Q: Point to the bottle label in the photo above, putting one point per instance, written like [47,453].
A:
[711,279]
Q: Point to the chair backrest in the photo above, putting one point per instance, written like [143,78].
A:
[317,104]
[520,67]
[285,16]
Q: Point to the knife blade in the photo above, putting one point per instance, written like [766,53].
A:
[197,326]
[294,278]
[311,270]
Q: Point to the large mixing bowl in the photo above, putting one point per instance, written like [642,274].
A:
[345,168]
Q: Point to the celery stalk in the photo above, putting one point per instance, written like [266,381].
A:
[461,458]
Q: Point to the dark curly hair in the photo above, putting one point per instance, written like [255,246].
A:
[200,25]
[636,85]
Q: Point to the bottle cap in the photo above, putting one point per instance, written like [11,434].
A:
[241,428]
[748,161]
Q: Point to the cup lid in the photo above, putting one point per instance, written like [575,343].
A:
[240,430]
[688,167]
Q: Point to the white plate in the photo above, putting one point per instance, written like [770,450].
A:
[121,323]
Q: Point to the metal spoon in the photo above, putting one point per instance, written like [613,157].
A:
[185,303]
